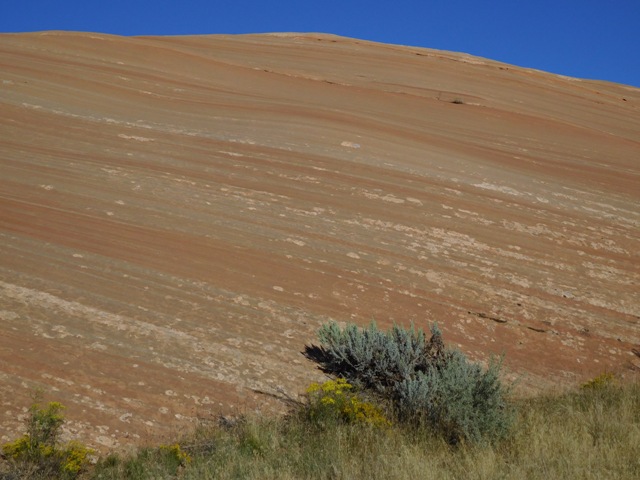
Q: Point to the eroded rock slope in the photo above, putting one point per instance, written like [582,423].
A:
[179,215]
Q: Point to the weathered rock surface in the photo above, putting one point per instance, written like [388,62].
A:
[179,215]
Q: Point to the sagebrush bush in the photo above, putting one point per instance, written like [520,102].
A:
[375,359]
[460,399]
[425,382]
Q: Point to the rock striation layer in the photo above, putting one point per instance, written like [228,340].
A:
[178,216]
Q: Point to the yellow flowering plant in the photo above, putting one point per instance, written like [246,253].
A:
[337,401]
[600,382]
[39,451]
[176,453]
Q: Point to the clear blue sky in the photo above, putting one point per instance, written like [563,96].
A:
[598,39]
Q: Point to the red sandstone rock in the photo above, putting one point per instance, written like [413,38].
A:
[179,215]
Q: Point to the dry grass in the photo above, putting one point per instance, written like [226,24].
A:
[591,434]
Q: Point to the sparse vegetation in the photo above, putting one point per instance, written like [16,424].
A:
[588,433]
[39,454]
[338,432]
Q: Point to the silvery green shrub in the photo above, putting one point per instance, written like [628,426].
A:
[375,359]
[460,399]
[426,383]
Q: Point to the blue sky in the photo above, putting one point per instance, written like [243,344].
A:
[598,39]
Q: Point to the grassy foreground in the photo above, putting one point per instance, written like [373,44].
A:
[593,433]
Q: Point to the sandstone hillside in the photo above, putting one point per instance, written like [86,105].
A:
[178,215]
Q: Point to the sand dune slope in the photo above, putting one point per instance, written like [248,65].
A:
[179,215]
